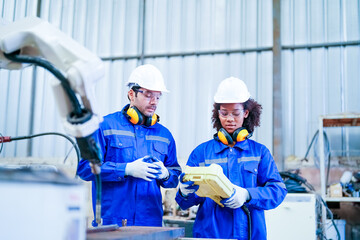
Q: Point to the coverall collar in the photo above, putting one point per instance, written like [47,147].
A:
[243,145]
[127,122]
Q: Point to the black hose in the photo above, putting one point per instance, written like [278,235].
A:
[98,199]
[246,210]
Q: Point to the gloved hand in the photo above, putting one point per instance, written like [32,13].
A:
[239,197]
[187,188]
[164,172]
[142,169]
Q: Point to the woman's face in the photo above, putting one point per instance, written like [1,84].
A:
[232,116]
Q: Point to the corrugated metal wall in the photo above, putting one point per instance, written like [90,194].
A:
[195,44]
[321,72]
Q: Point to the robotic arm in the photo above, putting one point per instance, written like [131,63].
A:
[32,40]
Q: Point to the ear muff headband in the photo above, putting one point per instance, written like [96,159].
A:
[238,135]
[135,117]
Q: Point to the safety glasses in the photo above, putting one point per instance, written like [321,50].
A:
[149,95]
[235,113]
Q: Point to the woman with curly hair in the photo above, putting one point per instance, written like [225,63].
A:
[248,164]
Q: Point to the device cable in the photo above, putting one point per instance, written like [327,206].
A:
[9,139]
[246,210]
[327,142]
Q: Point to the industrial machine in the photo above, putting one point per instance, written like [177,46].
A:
[39,202]
[36,200]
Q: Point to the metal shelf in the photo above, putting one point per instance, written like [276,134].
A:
[342,199]
[337,120]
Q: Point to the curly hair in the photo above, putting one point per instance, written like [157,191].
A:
[252,121]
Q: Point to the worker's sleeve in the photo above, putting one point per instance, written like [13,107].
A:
[188,201]
[192,199]
[172,166]
[271,190]
[110,171]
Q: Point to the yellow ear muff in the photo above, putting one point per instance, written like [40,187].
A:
[149,121]
[240,134]
[135,116]
[154,119]
[224,137]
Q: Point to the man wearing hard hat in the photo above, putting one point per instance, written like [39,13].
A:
[246,163]
[139,155]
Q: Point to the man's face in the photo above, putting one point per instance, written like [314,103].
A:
[232,116]
[145,100]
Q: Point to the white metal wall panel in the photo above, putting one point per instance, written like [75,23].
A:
[24,110]
[265,29]
[13,104]
[301,99]
[333,18]
[207,25]
[352,20]
[265,98]
[316,12]
[352,86]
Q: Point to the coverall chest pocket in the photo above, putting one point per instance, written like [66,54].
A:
[120,150]
[250,173]
[159,150]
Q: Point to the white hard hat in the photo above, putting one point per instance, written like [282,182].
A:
[149,77]
[232,90]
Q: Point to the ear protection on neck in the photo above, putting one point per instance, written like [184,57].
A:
[136,117]
[238,135]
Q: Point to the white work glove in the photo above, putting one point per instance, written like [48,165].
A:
[141,169]
[239,197]
[187,188]
[164,174]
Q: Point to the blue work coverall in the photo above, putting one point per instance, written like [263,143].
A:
[125,197]
[249,165]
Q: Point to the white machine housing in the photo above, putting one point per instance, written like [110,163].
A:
[42,209]
[294,218]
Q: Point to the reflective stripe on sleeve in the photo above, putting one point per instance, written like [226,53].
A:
[280,184]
